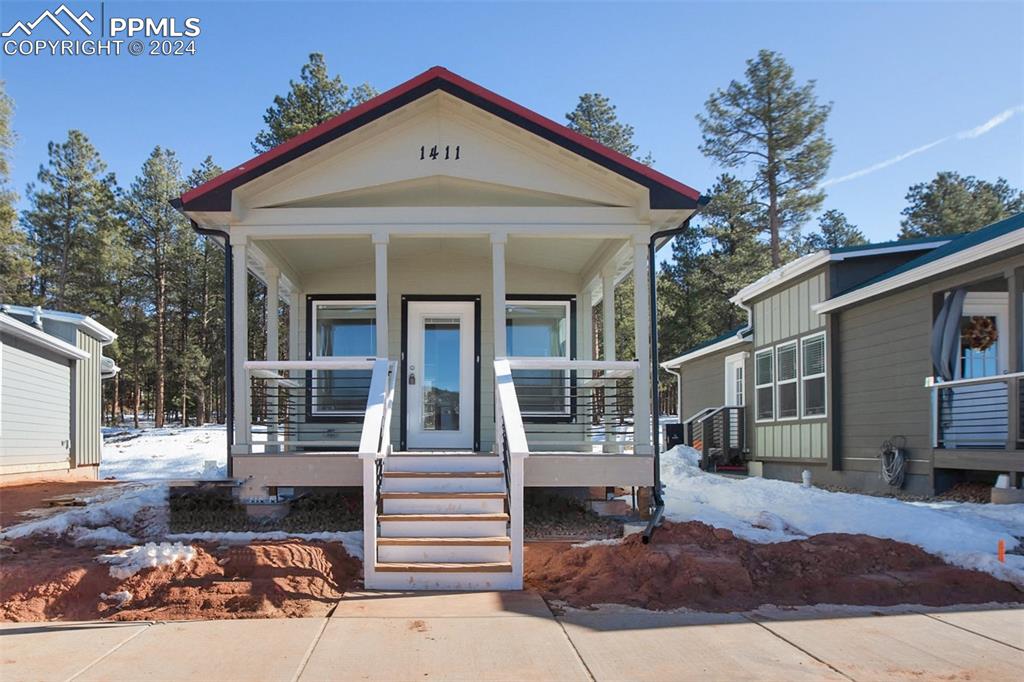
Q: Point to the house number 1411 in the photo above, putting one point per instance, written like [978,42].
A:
[434,153]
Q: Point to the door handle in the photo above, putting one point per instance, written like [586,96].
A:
[412,375]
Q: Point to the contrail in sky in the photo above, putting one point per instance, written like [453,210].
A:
[969,134]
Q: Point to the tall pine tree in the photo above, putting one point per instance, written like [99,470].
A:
[834,232]
[313,99]
[15,259]
[775,128]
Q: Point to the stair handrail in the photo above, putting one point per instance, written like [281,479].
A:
[374,446]
[510,444]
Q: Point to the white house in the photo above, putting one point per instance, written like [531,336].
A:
[441,250]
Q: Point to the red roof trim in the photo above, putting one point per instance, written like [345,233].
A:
[254,165]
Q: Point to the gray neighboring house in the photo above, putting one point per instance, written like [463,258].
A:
[916,342]
[51,369]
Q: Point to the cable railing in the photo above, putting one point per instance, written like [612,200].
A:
[978,413]
[583,406]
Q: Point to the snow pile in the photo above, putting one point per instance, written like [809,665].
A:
[116,515]
[122,597]
[351,540]
[172,452]
[762,510]
[128,562]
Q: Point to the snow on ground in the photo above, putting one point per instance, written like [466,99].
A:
[763,510]
[172,452]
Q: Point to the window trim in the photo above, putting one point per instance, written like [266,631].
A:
[770,352]
[795,343]
[312,301]
[569,300]
[822,375]
[729,362]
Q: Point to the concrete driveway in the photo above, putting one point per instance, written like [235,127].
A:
[514,636]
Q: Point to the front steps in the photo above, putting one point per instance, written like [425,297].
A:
[443,524]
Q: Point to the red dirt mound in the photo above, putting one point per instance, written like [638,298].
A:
[53,581]
[696,566]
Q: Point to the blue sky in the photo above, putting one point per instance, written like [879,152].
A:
[901,76]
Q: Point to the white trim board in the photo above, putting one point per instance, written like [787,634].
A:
[23,331]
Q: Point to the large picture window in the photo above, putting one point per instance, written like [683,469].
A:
[540,329]
[812,375]
[342,329]
[764,385]
[785,381]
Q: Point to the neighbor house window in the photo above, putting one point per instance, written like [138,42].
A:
[786,380]
[342,329]
[812,375]
[540,329]
[764,388]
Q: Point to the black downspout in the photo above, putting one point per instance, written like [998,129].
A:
[229,354]
[659,501]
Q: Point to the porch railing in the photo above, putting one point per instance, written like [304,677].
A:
[984,413]
[719,433]
[511,446]
[582,405]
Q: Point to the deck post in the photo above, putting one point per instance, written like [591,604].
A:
[641,328]
[240,345]
[273,275]
[380,261]
[608,353]
[294,301]
[498,241]
[585,338]
[1015,315]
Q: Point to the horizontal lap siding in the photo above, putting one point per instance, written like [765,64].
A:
[35,405]
[782,316]
[883,363]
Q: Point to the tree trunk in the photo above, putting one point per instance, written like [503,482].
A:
[161,285]
[138,403]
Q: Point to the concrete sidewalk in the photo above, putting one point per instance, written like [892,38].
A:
[514,636]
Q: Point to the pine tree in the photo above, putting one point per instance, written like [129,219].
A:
[595,117]
[15,260]
[72,219]
[775,127]
[834,232]
[955,204]
[315,98]
[155,228]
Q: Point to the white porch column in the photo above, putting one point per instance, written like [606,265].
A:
[608,315]
[240,343]
[585,338]
[642,323]
[380,290]
[273,305]
[294,301]
[498,240]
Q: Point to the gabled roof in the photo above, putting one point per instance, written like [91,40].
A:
[215,195]
[962,250]
[85,322]
[733,337]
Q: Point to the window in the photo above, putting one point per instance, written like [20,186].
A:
[763,385]
[785,381]
[812,375]
[540,330]
[342,329]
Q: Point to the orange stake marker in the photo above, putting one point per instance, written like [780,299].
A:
[1002,551]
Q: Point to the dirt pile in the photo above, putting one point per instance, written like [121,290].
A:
[16,500]
[54,581]
[696,566]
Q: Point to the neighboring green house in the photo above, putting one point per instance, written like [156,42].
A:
[914,342]
[51,368]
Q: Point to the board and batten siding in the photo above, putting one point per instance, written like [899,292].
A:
[784,316]
[88,440]
[35,407]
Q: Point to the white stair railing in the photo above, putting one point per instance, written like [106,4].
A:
[374,447]
[510,444]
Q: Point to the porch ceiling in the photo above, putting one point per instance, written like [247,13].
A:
[305,256]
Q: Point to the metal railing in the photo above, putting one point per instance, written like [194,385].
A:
[581,405]
[983,413]
[720,434]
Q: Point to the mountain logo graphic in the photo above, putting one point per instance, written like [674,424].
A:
[68,15]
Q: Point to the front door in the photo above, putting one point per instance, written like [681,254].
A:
[439,378]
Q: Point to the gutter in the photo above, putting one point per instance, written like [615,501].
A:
[229,353]
[659,501]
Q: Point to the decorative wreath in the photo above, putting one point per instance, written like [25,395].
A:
[979,333]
